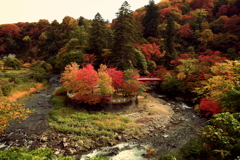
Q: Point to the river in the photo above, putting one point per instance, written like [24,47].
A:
[182,125]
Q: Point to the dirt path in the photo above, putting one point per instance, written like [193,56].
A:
[25,133]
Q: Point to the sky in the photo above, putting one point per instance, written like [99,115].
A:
[14,11]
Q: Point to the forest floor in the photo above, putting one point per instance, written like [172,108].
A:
[167,124]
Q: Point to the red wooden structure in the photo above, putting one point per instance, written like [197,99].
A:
[146,78]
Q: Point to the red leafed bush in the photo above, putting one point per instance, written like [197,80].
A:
[209,106]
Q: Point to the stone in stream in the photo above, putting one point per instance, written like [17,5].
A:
[44,139]
[71,151]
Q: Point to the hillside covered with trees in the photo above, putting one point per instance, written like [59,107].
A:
[192,45]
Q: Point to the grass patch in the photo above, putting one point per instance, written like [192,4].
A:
[16,85]
[14,73]
[87,125]
[16,153]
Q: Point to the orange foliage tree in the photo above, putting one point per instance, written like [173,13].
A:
[150,51]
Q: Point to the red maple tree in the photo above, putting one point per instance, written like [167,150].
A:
[209,106]
[185,31]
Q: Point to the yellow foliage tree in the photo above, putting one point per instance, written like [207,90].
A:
[11,111]
[105,80]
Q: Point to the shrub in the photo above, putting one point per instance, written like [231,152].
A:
[72,56]
[223,135]
[194,149]
[14,63]
[60,91]
[41,70]
[172,84]
[39,74]
[18,81]
[42,64]
[209,106]
[231,99]
[7,88]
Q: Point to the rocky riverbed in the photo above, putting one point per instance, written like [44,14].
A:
[27,132]
[167,125]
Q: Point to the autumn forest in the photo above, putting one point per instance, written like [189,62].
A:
[193,46]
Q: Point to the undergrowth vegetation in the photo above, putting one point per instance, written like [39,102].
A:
[218,141]
[16,153]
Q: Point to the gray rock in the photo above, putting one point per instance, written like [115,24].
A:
[71,151]
[65,144]
[44,139]
[57,152]
[80,142]
[119,137]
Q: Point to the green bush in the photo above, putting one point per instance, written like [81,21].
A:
[231,100]
[7,88]
[39,74]
[13,62]
[223,134]
[60,91]
[72,56]
[59,101]
[41,70]
[18,81]
[193,150]
[172,84]
[42,64]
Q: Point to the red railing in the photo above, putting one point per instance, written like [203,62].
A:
[147,78]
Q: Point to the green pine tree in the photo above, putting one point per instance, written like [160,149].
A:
[81,21]
[169,38]
[100,37]
[126,32]
[151,20]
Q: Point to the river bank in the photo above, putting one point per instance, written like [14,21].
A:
[26,133]
[166,125]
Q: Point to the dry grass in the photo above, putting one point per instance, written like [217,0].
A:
[14,97]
